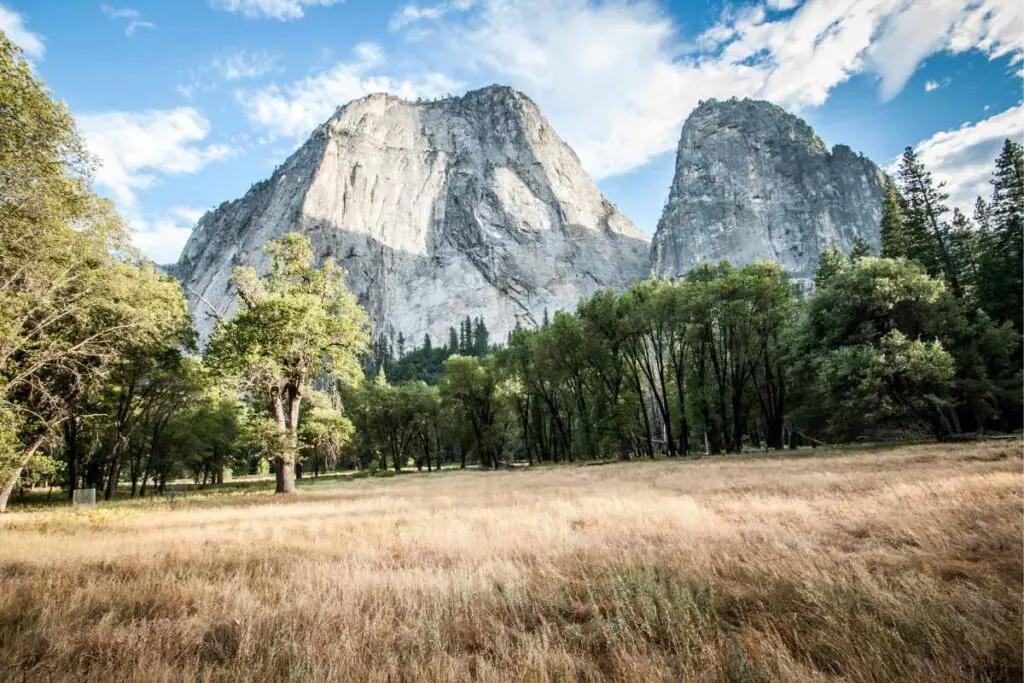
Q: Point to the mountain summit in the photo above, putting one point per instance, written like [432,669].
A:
[755,182]
[437,210]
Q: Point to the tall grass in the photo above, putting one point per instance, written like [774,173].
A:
[881,566]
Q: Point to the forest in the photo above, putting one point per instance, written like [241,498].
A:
[103,383]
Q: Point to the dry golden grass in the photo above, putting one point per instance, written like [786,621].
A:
[880,566]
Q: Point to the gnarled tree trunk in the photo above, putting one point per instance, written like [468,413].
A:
[12,478]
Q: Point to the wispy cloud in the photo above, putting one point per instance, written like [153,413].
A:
[412,13]
[136,25]
[227,66]
[234,65]
[932,86]
[134,17]
[295,109]
[13,26]
[282,10]
[617,78]
[120,12]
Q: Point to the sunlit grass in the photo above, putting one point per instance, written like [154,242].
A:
[885,565]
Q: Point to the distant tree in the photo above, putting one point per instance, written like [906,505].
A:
[480,338]
[453,341]
[427,345]
[400,346]
[470,386]
[324,436]
[832,261]
[860,248]
[296,323]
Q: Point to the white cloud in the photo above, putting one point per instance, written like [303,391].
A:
[283,10]
[964,158]
[617,79]
[162,238]
[228,65]
[297,108]
[120,13]
[931,86]
[136,25]
[411,13]
[13,26]
[136,148]
[240,64]
[133,15]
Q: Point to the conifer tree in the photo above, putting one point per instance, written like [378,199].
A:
[1001,261]
[860,248]
[928,231]
[480,338]
[453,341]
[895,240]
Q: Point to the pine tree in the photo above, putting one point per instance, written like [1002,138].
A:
[466,337]
[981,215]
[895,240]
[860,248]
[427,345]
[453,341]
[480,338]
[964,242]
[1002,262]
[545,322]
[928,232]
[832,261]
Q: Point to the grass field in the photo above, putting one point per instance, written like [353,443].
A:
[888,565]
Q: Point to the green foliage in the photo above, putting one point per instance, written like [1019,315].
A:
[76,306]
[867,357]
[298,322]
[324,438]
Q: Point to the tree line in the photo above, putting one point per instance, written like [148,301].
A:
[103,385]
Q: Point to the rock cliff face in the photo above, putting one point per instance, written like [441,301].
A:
[754,182]
[437,210]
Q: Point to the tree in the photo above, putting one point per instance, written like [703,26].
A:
[296,323]
[832,261]
[896,239]
[860,248]
[470,386]
[73,297]
[324,436]
[480,338]
[928,233]
[1001,263]
[453,341]
[867,357]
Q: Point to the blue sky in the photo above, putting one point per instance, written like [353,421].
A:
[187,103]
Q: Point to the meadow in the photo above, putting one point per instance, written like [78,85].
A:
[874,565]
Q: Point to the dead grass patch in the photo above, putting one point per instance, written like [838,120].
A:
[886,565]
